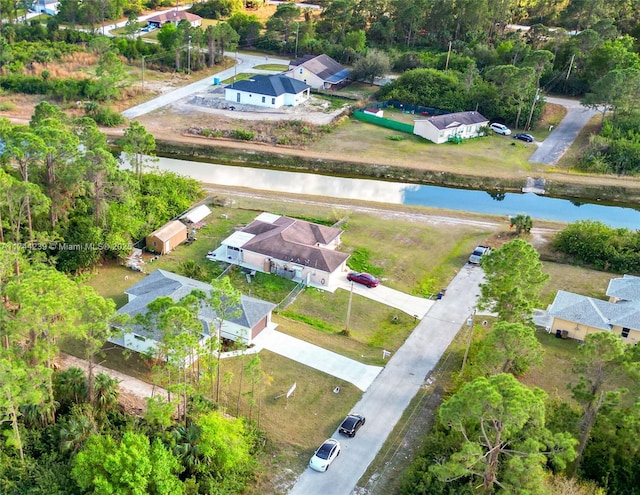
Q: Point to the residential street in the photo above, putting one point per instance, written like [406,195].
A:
[386,399]
[558,142]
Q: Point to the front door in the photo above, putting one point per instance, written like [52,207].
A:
[238,97]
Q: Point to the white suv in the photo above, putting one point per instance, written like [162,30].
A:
[500,129]
[478,253]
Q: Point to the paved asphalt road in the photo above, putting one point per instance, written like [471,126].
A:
[557,143]
[386,399]
[245,64]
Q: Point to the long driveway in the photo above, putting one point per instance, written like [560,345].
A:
[558,142]
[390,393]
[245,64]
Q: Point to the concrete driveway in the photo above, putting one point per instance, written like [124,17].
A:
[349,370]
[386,399]
[412,305]
[563,136]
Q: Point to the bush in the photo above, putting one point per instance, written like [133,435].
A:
[106,117]
[242,134]
[603,247]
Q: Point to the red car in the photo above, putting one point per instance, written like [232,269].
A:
[363,278]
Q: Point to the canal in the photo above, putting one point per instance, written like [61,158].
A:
[537,207]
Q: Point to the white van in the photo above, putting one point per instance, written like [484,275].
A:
[500,129]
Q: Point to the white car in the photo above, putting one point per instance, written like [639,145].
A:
[500,129]
[325,455]
[478,253]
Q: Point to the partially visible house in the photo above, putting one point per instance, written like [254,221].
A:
[267,91]
[167,237]
[175,16]
[442,128]
[195,215]
[295,249]
[254,315]
[575,316]
[319,72]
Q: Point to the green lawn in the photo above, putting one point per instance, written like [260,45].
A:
[278,67]
[501,155]
[238,77]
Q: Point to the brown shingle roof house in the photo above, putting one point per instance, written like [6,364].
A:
[295,249]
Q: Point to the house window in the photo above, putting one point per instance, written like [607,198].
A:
[238,97]
[264,99]
[300,70]
[625,333]
[139,337]
[273,101]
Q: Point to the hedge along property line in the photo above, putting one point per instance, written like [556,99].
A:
[273,160]
[383,122]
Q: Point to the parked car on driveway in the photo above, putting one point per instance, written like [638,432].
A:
[325,455]
[524,137]
[351,424]
[363,278]
[500,129]
[478,253]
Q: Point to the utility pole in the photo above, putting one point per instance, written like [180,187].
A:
[297,31]
[189,56]
[346,325]
[446,67]
[533,106]
[470,322]
[143,73]
[570,67]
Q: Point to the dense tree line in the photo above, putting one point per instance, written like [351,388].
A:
[61,186]
[65,431]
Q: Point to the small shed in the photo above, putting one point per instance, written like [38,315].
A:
[376,112]
[167,237]
[196,215]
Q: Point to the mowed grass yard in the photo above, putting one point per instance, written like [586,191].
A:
[493,155]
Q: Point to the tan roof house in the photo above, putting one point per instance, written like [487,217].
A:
[318,71]
[167,237]
[295,249]
[175,16]
[254,315]
[575,316]
[451,126]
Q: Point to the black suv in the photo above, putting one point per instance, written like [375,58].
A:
[351,424]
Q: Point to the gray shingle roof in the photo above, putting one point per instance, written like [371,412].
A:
[626,288]
[296,241]
[323,66]
[270,85]
[163,283]
[456,119]
[595,313]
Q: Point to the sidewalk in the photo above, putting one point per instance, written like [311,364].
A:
[349,370]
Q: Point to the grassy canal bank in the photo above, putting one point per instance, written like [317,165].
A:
[605,189]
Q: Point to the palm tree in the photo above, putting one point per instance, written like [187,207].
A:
[106,393]
[76,428]
[186,447]
[70,386]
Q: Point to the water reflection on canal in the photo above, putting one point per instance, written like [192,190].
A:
[538,207]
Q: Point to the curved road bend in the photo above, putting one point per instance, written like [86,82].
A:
[245,63]
[390,393]
[563,136]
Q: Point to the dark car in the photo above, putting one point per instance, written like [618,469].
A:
[351,424]
[363,278]
[524,137]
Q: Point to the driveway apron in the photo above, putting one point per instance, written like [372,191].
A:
[349,370]
[390,393]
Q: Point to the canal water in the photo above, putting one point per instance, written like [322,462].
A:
[507,204]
